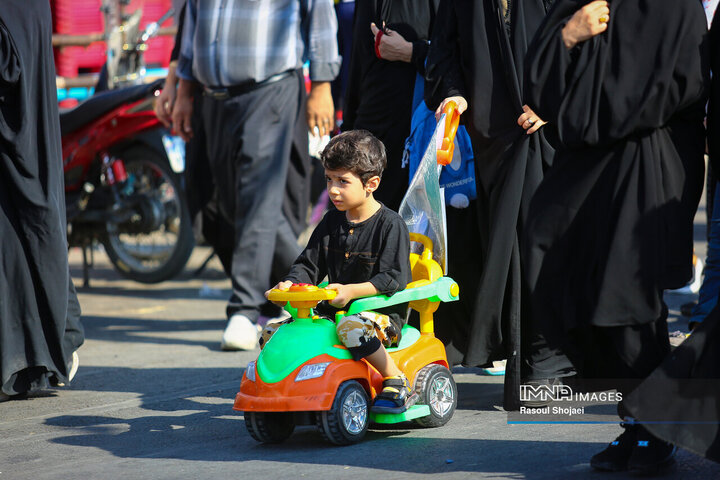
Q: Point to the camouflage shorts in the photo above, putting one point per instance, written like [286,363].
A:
[354,330]
[270,328]
[357,330]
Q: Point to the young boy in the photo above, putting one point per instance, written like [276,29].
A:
[363,247]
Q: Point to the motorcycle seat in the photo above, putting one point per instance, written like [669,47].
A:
[96,106]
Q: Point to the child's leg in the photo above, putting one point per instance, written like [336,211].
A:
[383,362]
[270,329]
[364,335]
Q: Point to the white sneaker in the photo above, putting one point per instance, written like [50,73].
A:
[240,334]
[73,368]
[498,368]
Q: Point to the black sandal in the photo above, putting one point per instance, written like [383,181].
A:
[396,396]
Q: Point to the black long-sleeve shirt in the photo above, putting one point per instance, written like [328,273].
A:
[376,250]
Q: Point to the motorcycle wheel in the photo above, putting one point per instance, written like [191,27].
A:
[161,253]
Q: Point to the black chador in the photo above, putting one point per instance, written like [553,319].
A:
[39,312]
[680,401]
[610,227]
[477,51]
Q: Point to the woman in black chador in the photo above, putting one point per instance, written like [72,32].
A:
[623,87]
[680,401]
[39,312]
[476,58]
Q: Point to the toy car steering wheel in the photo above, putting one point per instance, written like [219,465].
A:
[302,296]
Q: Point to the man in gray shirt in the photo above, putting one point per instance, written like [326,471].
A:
[245,57]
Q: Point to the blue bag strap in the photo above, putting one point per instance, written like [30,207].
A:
[419,91]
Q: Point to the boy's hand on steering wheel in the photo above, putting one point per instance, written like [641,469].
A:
[345,293]
[280,286]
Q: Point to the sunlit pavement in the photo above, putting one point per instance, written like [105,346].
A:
[153,399]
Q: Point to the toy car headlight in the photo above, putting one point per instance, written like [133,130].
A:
[250,371]
[314,370]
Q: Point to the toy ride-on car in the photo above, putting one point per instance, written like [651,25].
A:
[305,376]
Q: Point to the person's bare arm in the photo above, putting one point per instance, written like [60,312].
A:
[590,20]
[320,109]
[461,103]
[349,292]
[183,109]
[284,285]
[393,47]
[166,100]
[530,121]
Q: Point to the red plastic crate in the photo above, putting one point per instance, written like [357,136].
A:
[84,17]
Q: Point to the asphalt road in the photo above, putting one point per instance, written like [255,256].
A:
[153,399]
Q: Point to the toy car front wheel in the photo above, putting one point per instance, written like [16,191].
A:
[269,427]
[436,387]
[347,420]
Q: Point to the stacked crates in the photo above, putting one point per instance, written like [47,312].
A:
[159,48]
[81,17]
[78,17]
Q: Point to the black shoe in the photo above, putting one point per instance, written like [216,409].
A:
[396,396]
[650,456]
[616,456]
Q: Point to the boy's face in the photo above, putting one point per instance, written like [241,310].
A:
[347,191]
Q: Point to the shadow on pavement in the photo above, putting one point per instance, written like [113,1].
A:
[479,396]
[196,423]
[105,280]
[200,431]
[160,292]
[150,330]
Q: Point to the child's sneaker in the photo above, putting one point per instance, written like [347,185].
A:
[396,396]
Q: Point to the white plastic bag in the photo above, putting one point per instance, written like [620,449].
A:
[423,207]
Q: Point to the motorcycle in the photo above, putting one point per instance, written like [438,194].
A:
[123,185]
[123,179]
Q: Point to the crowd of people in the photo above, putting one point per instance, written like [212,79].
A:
[587,124]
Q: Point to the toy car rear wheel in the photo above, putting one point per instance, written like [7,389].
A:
[436,387]
[269,427]
[347,420]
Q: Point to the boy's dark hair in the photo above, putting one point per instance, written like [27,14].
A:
[358,151]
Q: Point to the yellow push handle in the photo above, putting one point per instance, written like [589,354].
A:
[426,243]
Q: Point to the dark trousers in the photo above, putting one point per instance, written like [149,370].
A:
[200,192]
[248,148]
[297,191]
